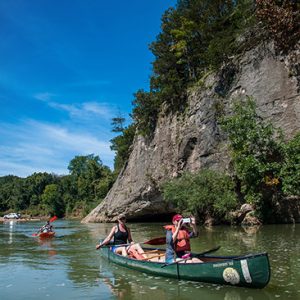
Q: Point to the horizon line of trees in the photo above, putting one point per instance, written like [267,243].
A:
[42,193]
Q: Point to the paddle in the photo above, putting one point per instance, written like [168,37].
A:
[195,255]
[155,241]
[206,252]
[51,220]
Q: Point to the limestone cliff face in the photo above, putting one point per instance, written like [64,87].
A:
[193,140]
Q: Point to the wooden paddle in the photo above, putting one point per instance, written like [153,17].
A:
[195,255]
[155,241]
[51,220]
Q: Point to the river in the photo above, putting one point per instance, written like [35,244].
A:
[69,267]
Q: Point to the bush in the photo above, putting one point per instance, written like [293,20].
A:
[256,155]
[290,172]
[206,193]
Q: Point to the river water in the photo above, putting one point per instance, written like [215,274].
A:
[69,267]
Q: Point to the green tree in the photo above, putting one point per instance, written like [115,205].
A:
[121,144]
[206,193]
[196,36]
[35,185]
[10,191]
[118,124]
[52,200]
[145,111]
[256,154]
[290,172]
[89,180]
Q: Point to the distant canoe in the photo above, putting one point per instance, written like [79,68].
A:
[46,235]
[252,270]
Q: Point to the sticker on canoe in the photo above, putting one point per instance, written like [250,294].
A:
[231,275]
[222,265]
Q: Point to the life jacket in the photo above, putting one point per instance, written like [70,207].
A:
[182,242]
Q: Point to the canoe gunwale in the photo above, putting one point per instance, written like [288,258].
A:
[225,258]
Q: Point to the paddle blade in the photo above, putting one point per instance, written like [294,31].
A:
[207,252]
[34,234]
[53,219]
[156,241]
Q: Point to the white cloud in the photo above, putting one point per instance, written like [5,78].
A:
[85,110]
[98,109]
[44,96]
[40,147]
[79,110]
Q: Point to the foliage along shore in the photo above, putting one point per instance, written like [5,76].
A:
[44,194]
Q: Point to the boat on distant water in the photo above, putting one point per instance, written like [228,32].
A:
[252,270]
[46,235]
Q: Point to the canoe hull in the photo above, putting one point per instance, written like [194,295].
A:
[251,271]
[46,235]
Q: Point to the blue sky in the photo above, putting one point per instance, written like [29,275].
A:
[67,68]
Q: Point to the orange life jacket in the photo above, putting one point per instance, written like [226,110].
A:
[182,242]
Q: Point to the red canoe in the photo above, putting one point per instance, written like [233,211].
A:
[46,235]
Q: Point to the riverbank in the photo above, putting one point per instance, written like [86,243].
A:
[21,219]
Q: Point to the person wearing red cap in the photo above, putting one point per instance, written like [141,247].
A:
[178,238]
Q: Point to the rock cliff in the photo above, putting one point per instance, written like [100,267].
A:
[193,140]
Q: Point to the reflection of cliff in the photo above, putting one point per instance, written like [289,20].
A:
[193,141]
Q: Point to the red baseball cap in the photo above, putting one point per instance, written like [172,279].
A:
[177,218]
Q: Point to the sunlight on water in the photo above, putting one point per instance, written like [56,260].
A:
[69,267]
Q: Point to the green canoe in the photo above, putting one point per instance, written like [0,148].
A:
[251,270]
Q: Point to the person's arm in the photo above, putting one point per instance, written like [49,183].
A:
[194,233]
[107,239]
[130,240]
[175,234]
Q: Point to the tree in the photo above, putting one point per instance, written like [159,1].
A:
[121,144]
[282,21]
[145,111]
[52,200]
[206,193]
[290,172]
[118,124]
[35,185]
[90,178]
[256,155]
[196,36]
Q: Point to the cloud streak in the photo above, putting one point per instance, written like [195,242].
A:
[79,110]
[40,147]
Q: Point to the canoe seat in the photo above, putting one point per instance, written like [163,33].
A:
[154,257]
